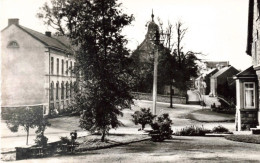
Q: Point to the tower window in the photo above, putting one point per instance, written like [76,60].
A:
[13,44]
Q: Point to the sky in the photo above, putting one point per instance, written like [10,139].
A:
[216,28]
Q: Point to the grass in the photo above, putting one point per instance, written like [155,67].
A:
[206,115]
[93,141]
[244,138]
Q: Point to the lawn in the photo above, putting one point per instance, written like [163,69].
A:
[244,138]
[93,141]
[206,115]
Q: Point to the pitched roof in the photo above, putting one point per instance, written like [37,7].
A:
[221,71]
[46,40]
[249,72]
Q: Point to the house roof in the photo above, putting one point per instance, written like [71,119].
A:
[209,71]
[250,27]
[249,72]
[48,41]
[206,73]
[221,71]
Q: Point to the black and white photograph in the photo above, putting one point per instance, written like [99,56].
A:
[130,81]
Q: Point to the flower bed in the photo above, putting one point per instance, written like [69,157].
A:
[244,138]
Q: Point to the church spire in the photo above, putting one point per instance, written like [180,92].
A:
[152,15]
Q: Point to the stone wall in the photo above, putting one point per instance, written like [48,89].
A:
[248,119]
[160,98]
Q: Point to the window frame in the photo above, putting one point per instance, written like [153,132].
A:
[254,95]
[52,64]
[58,66]
[62,67]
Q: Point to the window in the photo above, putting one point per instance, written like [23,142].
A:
[58,66]
[71,87]
[62,90]
[67,67]
[249,94]
[51,65]
[67,90]
[13,44]
[51,91]
[62,67]
[57,90]
[70,68]
[74,68]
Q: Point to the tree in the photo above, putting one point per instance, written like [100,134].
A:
[184,65]
[27,118]
[143,117]
[95,28]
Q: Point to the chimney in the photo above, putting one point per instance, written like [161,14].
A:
[48,33]
[13,21]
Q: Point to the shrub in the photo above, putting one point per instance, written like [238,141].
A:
[220,129]
[41,140]
[192,131]
[161,128]
[143,117]
[65,140]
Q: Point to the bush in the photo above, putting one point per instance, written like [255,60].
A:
[143,117]
[192,131]
[41,140]
[65,140]
[220,129]
[161,128]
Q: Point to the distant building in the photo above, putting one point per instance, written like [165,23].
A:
[36,69]
[247,82]
[221,83]
[216,64]
[143,56]
[202,83]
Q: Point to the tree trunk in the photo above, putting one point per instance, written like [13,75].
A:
[103,135]
[143,126]
[171,95]
[27,135]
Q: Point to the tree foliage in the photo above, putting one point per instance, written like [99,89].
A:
[95,28]
[143,117]
[184,65]
[27,118]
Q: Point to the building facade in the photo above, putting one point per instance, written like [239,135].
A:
[247,82]
[36,69]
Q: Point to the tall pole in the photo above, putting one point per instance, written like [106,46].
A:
[155,79]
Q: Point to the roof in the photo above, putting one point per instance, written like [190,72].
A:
[205,73]
[247,73]
[221,71]
[48,41]
[250,27]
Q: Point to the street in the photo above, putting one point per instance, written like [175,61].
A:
[179,149]
[67,124]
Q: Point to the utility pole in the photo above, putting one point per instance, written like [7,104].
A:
[155,79]
[156,54]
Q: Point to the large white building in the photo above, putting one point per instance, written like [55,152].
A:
[36,69]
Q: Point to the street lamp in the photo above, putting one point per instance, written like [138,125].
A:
[157,42]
